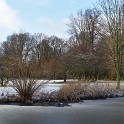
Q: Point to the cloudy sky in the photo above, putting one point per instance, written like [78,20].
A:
[46,16]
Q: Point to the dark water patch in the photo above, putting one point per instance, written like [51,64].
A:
[60,104]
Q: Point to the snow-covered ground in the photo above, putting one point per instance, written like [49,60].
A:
[49,86]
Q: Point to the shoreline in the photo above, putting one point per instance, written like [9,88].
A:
[64,104]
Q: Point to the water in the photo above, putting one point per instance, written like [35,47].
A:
[110,111]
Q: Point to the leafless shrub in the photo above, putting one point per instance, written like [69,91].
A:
[26,88]
[79,91]
[70,92]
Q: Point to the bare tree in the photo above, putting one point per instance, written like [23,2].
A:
[85,30]
[84,27]
[113,11]
[17,52]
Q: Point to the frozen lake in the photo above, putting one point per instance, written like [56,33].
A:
[110,111]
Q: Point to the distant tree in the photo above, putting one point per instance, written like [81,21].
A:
[85,34]
[59,47]
[17,52]
[84,27]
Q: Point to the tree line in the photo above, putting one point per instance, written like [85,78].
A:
[94,50]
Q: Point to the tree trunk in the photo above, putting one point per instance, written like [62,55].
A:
[118,78]
[2,82]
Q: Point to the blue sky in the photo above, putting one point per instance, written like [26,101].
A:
[38,16]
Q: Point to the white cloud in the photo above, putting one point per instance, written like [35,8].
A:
[73,2]
[9,17]
[66,21]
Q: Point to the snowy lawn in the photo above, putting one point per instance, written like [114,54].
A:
[50,86]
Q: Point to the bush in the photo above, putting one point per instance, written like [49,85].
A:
[75,92]
[4,100]
[26,88]
[71,92]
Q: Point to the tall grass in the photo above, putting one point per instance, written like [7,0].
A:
[75,92]
[25,88]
